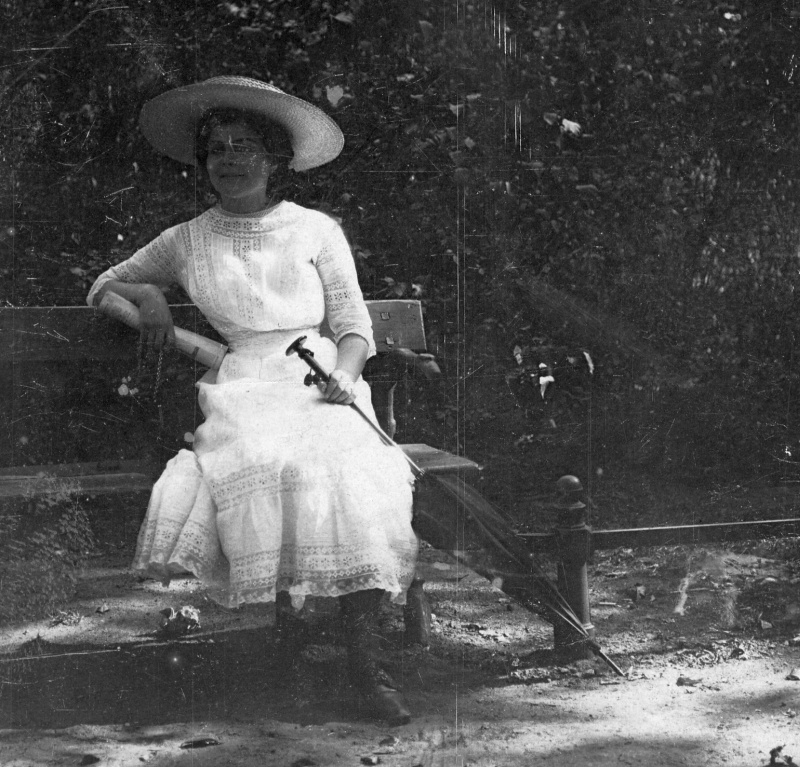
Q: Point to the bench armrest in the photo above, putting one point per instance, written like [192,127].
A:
[385,372]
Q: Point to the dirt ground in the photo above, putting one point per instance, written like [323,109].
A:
[705,637]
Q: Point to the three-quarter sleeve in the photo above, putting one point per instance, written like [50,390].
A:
[157,263]
[345,309]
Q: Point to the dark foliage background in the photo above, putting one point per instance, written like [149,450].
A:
[605,191]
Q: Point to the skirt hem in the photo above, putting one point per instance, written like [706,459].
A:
[266,594]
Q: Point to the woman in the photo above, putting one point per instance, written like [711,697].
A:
[286,493]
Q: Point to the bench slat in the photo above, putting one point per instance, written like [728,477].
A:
[50,334]
[92,484]
[99,477]
[438,461]
[41,334]
[78,469]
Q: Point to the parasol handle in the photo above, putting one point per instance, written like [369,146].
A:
[296,347]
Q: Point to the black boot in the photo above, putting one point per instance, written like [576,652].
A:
[378,694]
[291,634]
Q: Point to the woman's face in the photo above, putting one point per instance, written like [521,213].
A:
[239,167]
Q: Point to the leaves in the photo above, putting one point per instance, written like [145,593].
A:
[638,163]
[334,94]
[570,127]
[41,552]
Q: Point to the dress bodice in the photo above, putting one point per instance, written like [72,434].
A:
[283,269]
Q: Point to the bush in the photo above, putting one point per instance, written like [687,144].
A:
[44,541]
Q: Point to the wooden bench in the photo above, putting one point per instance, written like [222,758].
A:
[63,414]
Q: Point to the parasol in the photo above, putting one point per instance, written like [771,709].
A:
[507,562]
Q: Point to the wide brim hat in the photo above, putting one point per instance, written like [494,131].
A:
[169,121]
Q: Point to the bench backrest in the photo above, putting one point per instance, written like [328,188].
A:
[61,369]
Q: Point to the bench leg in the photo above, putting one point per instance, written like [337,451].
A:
[417,614]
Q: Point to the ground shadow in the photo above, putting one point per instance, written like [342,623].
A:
[233,673]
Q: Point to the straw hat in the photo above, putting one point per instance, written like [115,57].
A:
[169,121]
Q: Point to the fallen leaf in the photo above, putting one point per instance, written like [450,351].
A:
[180,622]
[104,608]
[200,743]
[530,676]
[66,618]
[473,627]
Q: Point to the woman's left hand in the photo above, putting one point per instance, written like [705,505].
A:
[340,388]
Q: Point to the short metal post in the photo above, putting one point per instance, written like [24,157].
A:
[573,535]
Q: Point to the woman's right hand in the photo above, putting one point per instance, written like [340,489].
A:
[157,329]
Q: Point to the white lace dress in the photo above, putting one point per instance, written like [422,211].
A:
[283,491]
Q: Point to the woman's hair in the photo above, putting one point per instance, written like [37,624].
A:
[276,139]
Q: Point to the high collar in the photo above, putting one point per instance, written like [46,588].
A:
[255,214]
[230,224]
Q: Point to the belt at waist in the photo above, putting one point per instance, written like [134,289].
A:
[263,356]
[269,342]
